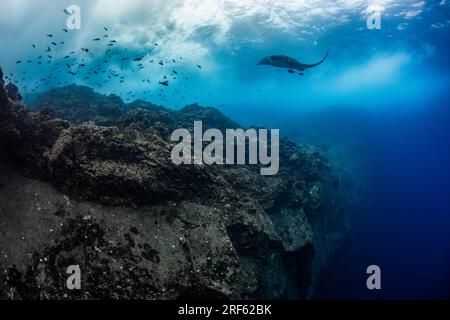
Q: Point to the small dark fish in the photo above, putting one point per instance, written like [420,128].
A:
[82,65]
[175,72]
[199,66]
[66,11]
[161,63]
[33,46]
[164,83]
[96,39]
[66,57]
[54,43]
[48,49]
[300,74]
[65,30]
[18,61]
[113,41]
[137,59]
[291,71]
[50,35]
[106,29]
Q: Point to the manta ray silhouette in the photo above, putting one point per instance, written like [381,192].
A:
[286,62]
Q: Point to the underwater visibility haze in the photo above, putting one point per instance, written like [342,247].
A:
[375,102]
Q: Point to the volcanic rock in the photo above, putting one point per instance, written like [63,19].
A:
[109,199]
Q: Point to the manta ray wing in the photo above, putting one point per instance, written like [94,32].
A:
[303,66]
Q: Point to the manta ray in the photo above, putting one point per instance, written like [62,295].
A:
[286,62]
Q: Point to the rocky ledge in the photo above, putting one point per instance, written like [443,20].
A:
[87,180]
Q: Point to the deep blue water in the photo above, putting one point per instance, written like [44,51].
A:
[407,230]
[380,101]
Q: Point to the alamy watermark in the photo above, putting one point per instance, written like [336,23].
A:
[374,280]
[74,280]
[374,19]
[241,147]
[73,21]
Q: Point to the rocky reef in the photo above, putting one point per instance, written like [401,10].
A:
[87,180]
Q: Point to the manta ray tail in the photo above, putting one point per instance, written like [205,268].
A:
[316,64]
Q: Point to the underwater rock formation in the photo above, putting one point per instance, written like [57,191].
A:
[13,92]
[75,192]
[3,95]
[79,104]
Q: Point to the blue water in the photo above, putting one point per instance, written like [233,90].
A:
[407,228]
[381,100]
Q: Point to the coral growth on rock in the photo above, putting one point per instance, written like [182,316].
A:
[87,180]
